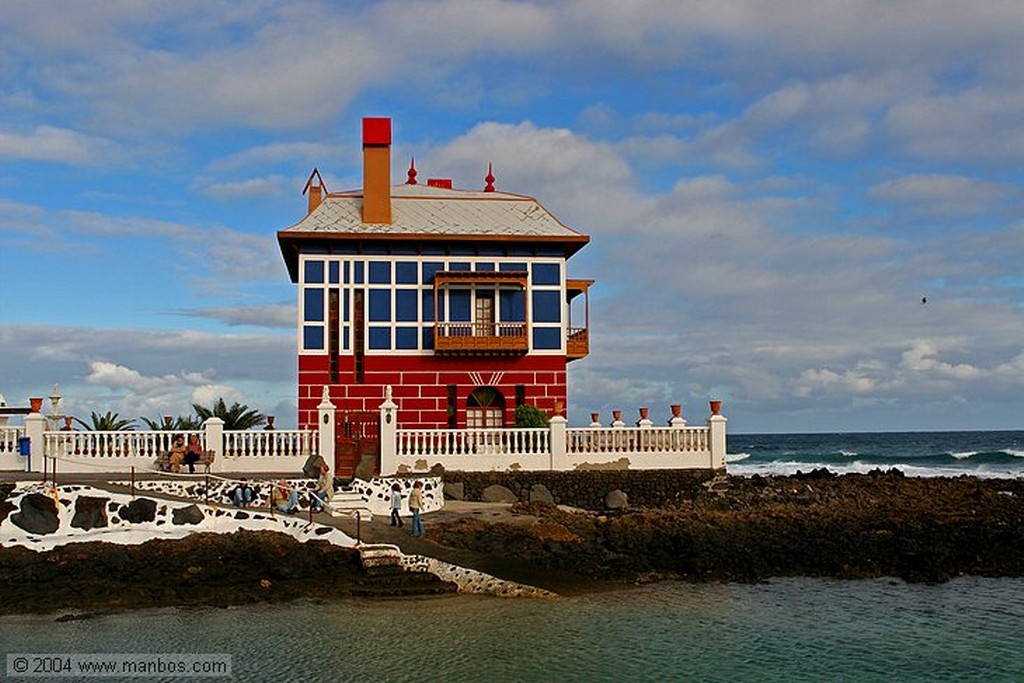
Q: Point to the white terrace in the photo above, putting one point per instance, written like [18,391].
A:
[34,447]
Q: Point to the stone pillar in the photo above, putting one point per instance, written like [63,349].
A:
[214,427]
[388,435]
[559,427]
[35,426]
[716,426]
[325,422]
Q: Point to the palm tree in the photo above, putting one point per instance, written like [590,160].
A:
[110,422]
[182,423]
[238,416]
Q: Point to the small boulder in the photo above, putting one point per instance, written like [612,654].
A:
[138,511]
[616,500]
[454,490]
[539,493]
[187,515]
[90,513]
[38,514]
[496,493]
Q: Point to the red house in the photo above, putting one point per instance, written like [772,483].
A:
[458,299]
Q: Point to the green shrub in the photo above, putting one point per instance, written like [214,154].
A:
[530,416]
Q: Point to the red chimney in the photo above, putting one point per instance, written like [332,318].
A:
[376,170]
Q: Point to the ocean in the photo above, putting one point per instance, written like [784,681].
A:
[919,454]
[792,629]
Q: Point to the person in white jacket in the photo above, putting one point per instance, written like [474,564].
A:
[396,504]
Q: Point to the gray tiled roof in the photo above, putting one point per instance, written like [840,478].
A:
[425,211]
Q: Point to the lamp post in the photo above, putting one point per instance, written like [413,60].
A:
[55,415]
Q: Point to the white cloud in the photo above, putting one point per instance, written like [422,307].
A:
[942,195]
[52,144]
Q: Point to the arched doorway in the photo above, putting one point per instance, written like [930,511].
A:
[485,409]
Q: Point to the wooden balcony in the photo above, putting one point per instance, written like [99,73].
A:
[480,339]
[578,344]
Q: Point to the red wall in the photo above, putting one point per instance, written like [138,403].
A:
[420,385]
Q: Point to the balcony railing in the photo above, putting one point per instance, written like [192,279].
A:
[578,343]
[480,338]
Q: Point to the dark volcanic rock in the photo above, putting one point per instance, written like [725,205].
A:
[138,511]
[187,515]
[90,512]
[38,514]
[201,569]
[815,524]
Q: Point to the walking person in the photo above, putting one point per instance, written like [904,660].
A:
[415,505]
[396,504]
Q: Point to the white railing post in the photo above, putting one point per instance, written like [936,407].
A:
[214,437]
[388,435]
[35,426]
[716,427]
[325,426]
[559,427]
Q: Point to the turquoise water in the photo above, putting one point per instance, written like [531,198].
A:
[783,630]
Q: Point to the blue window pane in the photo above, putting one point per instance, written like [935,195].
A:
[405,337]
[513,305]
[458,266]
[459,301]
[405,273]
[332,272]
[428,337]
[344,338]
[314,272]
[380,338]
[357,272]
[344,270]
[547,274]
[407,305]
[485,266]
[547,307]
[380,273]
[429,268]
[313,304]
[380,305]
[313,338]
[512,267]
[345,305]
[547,338]
[428,305]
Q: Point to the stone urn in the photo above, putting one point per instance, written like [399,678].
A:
[677,409]
[36,404]
[716,407]
[616,415]
[594,418]
[644,412]
[270,423]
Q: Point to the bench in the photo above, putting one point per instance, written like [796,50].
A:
[206,458]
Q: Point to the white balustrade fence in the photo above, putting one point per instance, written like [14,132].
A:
[469,442]
[556,447]
[553,448]
[587,440]
[97,451]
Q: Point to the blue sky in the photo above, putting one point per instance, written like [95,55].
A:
[770,189]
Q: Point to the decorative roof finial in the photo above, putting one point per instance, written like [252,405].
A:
[412,172]
[490,179]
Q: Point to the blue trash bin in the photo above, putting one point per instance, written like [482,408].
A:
[24,446]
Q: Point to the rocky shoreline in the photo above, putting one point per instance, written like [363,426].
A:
[729,529]
[751,529]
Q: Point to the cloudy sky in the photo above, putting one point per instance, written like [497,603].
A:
[771,189]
